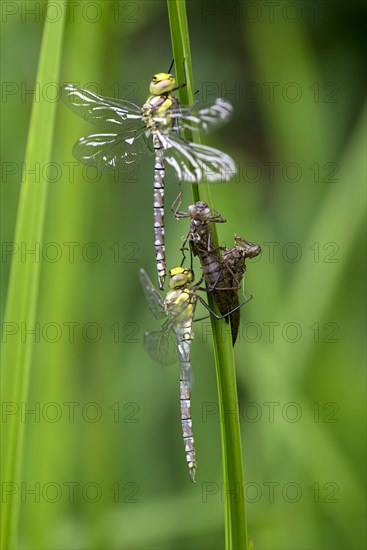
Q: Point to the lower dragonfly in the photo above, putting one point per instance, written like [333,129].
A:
[161,119]
[173,340]
[223,273]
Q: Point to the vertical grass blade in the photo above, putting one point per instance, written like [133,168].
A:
[21,306]
[182,54]
[235,513]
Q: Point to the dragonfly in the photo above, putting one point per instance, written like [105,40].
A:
[172,342]
[223,268]
[156,128]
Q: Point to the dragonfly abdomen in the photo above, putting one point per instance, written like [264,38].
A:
[158,205]
[184,337]
[180,305]
[186,422]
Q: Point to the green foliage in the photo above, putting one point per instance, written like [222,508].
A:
[103,450]
[24,281]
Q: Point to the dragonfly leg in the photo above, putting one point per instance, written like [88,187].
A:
[197,285]
[217,218]
[226,314]
[191,260]
[170,67]
[201,319]
[176,205]
[183,248]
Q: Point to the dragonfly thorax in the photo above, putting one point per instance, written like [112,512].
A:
[155,110]
[180,308]
[181,299]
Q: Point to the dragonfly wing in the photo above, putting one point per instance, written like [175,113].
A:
[204,116]
[153,298]
[196,163]
[110,151]
[103,111]
[161,345]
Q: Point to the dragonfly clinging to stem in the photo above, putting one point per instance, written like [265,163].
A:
[173,340]
[156,128]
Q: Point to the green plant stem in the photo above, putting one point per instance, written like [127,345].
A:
[24,279]
[235,513]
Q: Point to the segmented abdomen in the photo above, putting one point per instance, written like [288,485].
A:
[184,338]
[158,205]
[180,306]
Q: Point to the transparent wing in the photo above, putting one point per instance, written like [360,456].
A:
[111,151]
[153,298]
[205,116]
[161,345]
[195,163]
[103,111]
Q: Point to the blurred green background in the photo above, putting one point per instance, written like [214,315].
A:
[104,463]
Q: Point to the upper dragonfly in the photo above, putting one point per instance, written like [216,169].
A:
[162,119]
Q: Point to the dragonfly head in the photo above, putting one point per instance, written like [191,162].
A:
[180,277]
[162,83]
